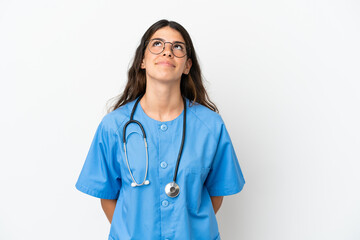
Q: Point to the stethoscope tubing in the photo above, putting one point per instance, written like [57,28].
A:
[182,143]
[146,182]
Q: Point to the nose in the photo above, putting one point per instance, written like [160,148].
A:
[168,50]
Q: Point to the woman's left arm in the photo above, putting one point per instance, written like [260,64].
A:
[216,202]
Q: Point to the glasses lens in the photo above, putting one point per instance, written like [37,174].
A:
[179,49]
[156,46]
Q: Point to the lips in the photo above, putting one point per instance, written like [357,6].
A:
[165,63]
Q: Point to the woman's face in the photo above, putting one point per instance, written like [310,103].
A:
[165,66]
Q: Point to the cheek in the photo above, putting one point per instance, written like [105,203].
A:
[149,59]
[181,64]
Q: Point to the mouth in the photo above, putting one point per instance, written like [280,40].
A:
[165,63]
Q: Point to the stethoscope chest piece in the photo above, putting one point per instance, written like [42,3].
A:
[172,189]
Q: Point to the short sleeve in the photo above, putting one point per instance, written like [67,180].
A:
[225,176]
[100,175]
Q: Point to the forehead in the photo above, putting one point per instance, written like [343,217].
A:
[168,34]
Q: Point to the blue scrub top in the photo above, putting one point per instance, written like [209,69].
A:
[208,167]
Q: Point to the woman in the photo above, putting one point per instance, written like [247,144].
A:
[170,184]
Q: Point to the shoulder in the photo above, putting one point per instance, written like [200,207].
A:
[205,116]
[114,121]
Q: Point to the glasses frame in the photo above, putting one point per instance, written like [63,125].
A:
[172,46]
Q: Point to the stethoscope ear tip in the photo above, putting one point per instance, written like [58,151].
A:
[134,184]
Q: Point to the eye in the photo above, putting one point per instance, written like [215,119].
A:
[157,43]
[178,46]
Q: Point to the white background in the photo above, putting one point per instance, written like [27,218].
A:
[284,74]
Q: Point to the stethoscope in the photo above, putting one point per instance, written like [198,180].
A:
[171,189]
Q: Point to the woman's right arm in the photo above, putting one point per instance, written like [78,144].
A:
[108,205]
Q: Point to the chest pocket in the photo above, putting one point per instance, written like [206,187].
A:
[195,178]
[136,153]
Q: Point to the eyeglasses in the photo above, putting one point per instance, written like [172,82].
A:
[157,46]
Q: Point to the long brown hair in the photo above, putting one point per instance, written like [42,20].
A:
[191,85]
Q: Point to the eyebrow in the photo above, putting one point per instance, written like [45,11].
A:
[165,40]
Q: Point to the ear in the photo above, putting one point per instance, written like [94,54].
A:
[142,66]
[188,65]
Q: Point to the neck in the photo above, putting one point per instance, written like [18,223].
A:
[162,102]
